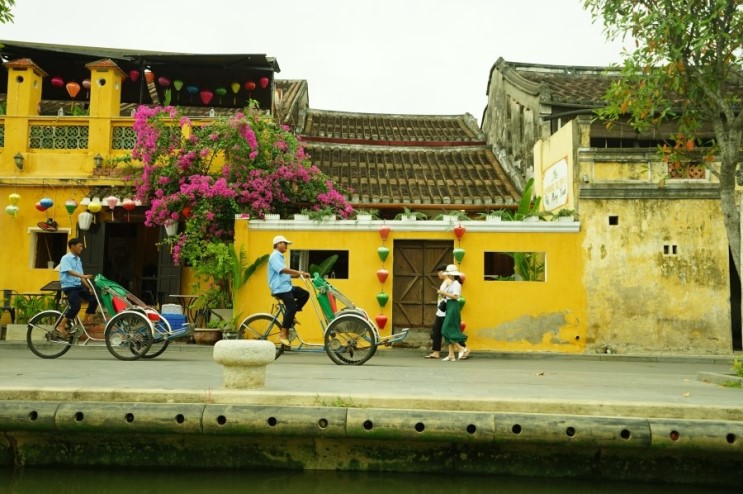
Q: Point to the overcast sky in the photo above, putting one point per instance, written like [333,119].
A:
[378,56]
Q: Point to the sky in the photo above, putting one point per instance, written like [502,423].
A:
[425,57]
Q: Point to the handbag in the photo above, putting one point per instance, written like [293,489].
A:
[442,305]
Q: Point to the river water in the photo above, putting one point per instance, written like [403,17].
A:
[138,481]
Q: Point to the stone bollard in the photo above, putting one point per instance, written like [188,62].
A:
[244,362]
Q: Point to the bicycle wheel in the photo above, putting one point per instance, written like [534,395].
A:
[40,335]
[160,339]
[350,339]
[261,327]
[128,335]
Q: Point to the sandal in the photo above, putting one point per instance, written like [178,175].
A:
[431,355]
[465,354]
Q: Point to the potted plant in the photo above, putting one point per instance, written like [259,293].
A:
[452,216]
[366,214]
[410,215]
[319,215]
[499,215]
[565,215]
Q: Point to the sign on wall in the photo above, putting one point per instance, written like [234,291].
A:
[555,185]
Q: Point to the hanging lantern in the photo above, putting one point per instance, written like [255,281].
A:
[384,231]
[383,252]
[264,82]
[206,96]
[382,299]
[70,206]
[95,205]
[112,202]
[220,91]
[250,86]
[85,201]
[458,254]
[46,202]
[13,199]
[134,75]
[84,220]
[11,210]
[235,89]
[461,301]
[86,83]
[149,76]
[459,231]
[382,275]
[73,88]
[128,205]
[40,206]
[381,320]
[57,81]
[163,81]
[171,227]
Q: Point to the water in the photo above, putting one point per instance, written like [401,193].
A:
[139,481]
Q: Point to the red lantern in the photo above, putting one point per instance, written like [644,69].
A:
[459,231]
[149,76]
[384,231]
[250,86]
[381,321]
[40,207]
[163,81]
[129,205]
[264,82]
[206,96]
[57,81]
[134,75]
[382,275]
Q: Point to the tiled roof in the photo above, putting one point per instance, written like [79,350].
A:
[393,161]
[386,176]
[561,84]
[323,125]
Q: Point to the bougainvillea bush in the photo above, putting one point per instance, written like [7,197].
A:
[264,170]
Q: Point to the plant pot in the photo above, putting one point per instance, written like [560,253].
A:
[301,217]
[531,219]
[565,219]
[364,217]
[494,219]
[272,217]
[206,336]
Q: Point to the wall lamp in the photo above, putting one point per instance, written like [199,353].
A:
[98,160]
[18,160]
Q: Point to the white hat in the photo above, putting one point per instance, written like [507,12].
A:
[451,270]
[280,238]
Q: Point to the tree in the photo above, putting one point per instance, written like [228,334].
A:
[6,15]
[686,67]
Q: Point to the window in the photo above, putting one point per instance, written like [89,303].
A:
[515,266]
[303,259]
[47,247]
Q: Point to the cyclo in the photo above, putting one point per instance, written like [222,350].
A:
[349,334]
[132,329]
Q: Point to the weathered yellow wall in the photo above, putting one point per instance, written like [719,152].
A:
[504,315]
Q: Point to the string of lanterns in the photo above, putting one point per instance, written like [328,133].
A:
[382,275]
[458,254]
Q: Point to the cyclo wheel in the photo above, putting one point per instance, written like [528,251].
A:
[160,341]
[261,327]
[350,339]
[128,335]
[39,335]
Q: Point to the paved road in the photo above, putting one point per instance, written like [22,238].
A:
[394,378]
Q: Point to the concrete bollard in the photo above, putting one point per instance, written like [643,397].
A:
[244,362]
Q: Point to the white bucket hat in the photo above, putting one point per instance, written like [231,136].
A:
[451,270]
[280,238]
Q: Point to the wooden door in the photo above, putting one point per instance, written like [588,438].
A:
[415,282]
[168,274]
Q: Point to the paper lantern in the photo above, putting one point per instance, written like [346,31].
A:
[206,96]
[250,86]
[384,231]
[459,231]
[86,83]
[382,275]
[46,202]
[40,207]
[235,87]
[85,201]
[264,82]
[84,220]
[13,199]
[57,81]
[128,205]
[134,75]
[112,201]
[163,81]
[192,90]
[381,320]
[382,299]
[11,210]
[149,76]
[70,206]
[178,84]
[458,254]
[383,252]
[73,88]
[95,205]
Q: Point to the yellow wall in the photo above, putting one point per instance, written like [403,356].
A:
[503,315]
